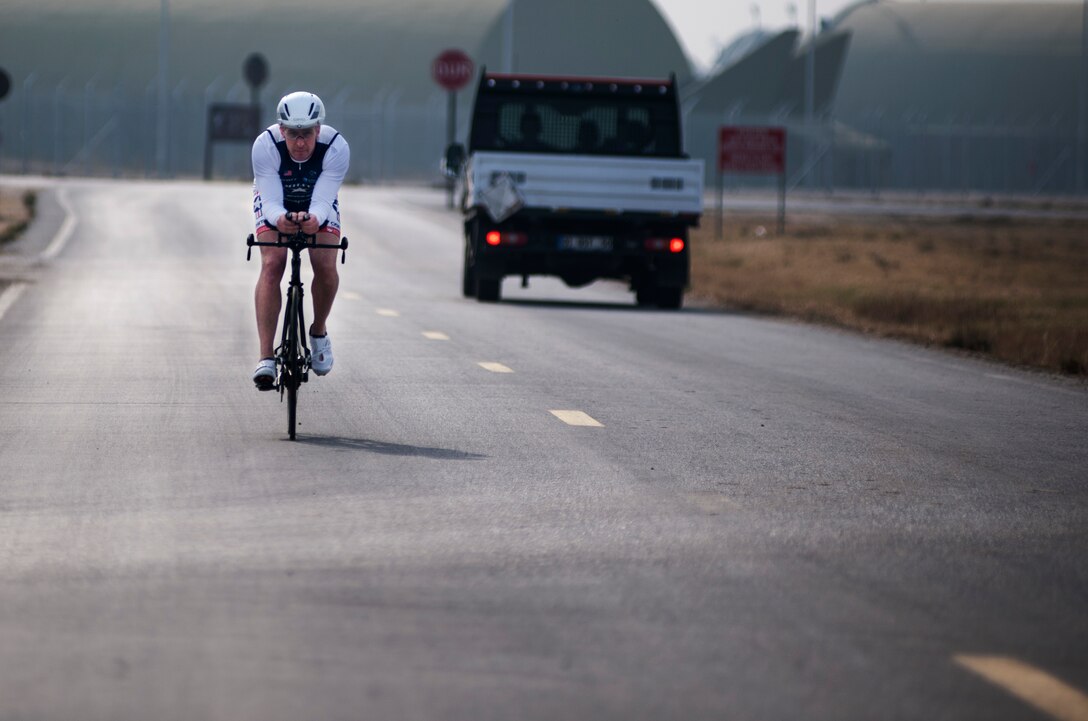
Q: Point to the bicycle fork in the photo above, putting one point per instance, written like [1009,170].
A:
[293,355]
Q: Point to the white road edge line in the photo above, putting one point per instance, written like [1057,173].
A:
[495,367]
[65,233]
[56,245]
[10,295]
[1034,686]
[577,418]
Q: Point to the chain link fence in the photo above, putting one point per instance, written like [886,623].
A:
[95,129]
[111,131]
[912,153]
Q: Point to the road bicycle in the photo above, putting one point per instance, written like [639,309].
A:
[293,354]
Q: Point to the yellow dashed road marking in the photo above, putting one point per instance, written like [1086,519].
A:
[1030,684]
[387,312]
[711,502]
[496,367]
[351,295]
[435,335]
[576,418]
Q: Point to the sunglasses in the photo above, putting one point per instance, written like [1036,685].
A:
[294,135]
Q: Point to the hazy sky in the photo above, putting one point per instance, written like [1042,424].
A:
[704,26]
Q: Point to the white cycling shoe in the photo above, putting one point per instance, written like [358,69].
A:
[320,354]
[264,377]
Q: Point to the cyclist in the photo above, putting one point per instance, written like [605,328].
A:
[298,166]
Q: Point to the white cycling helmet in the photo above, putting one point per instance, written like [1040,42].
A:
[300,110]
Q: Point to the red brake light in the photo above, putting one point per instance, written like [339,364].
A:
[674,245]
[495,237]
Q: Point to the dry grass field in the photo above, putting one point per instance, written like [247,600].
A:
[1014,290]
[16,212]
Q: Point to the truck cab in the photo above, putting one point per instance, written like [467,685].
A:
[580,178]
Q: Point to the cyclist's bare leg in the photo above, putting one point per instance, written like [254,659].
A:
[268,296]
[326,280]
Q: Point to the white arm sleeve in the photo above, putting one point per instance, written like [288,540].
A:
[333,171]
[266,176]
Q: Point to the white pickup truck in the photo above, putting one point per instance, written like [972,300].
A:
[581,178]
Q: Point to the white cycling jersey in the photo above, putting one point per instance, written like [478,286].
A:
[282,185]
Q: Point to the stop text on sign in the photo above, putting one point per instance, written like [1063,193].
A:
[452,69]
[750,149]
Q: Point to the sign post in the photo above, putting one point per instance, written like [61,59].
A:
[255,70]
[749,149]
[5,85]
[452,70]
[236,122]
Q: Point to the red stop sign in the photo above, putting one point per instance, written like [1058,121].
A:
[452,69]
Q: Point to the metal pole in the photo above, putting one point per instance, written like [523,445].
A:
[118,137]
[58,118]
[721,203]
[88,89]
[28,83]
[1082,105]
[451,134]
[810,84]
[163,132]
[782,200]
[508,39]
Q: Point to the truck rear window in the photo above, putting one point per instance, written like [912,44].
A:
[645,126]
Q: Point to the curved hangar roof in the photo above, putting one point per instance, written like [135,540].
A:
[330,45]
[601,38]
[1002,60]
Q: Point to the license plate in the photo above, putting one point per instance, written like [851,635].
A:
[583,243]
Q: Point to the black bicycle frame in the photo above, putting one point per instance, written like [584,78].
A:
[293,354]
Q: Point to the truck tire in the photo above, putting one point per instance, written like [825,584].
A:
[488,290]
[646,295]
[468,273]
[670,297]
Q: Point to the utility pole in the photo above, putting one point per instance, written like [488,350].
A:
[162,135]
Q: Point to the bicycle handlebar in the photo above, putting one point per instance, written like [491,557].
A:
[296,242]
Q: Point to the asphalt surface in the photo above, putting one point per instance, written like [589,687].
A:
[768,520]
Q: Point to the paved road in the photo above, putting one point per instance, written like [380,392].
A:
[769,522]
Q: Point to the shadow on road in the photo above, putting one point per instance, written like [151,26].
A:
[604,305]
[388,449]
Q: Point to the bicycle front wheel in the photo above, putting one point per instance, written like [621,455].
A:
[293,367]
[292,409]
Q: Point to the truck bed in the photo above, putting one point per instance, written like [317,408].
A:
[614,185]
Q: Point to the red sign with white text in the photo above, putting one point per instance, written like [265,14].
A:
[744,149]
[452,69]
